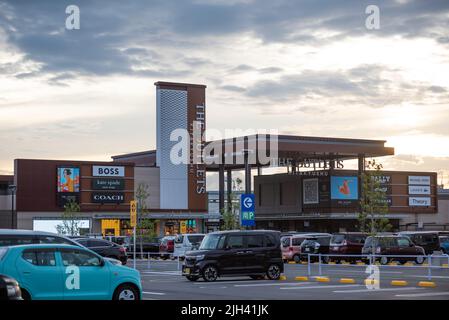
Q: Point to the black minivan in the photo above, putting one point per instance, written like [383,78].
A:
[254,253]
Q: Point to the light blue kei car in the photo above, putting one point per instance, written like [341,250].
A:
[66,272]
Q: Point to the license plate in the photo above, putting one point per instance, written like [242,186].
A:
[307,249]
[187,270]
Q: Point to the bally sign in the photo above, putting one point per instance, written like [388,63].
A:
[418,190]
[419,202]
[108,171]
[103,197]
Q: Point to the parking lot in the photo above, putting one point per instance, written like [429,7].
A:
[161,280]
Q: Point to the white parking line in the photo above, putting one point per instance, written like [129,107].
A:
[378,290]
[272,284]
[323,287]
[427,294]
[359,271]
[155,293]
[436,277]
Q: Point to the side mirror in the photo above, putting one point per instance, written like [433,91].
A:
[102,262]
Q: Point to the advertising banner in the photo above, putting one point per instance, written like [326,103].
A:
[310,191]
[108,184]
[419,201]
[108,171]
[418,189]
[420,180]
[68,179]
[110,197]
[344,188]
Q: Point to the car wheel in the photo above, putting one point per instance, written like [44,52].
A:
[296,258]
[192,278]
[126,292]
[210,273]
[384,260]
[419,260]
[274,272]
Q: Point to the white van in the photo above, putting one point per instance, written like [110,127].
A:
[186,242]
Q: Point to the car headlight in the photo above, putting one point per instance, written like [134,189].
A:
[199,257]
[13,290]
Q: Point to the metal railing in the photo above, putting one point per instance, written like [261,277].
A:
[155,257]
[373,258]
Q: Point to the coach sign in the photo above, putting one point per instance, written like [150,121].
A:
[110,197]
[108,171]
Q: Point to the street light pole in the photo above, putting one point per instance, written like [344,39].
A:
[12,188]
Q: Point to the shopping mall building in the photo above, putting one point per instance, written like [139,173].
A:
[305,195]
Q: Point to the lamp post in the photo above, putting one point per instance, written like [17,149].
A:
[12,188]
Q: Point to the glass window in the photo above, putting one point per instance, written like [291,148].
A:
[195,239]
[297,241]
[179,239]
[286,242]
[212,241]
[15,240]
[235,242]
[80,258]
[52,240]
[338,239]
[403,242]
[98,243]
[254,241]
[39,258]
[269,241]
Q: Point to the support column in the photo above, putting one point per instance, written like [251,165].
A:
[229,188]
[259,171]
[221,187]
[247,173]
[361,169]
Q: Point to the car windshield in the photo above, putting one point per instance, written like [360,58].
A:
[444,239]
[211,242]
[338,239]
[195,239]
[3,252]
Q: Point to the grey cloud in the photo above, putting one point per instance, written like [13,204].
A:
[233,88]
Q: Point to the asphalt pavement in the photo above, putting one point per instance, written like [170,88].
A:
[161,280]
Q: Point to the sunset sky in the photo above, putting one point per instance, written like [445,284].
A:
[300,67]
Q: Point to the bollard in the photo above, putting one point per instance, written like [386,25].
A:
[308,265]
[178,263]
[319,263]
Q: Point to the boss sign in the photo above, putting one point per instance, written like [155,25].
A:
[108,171]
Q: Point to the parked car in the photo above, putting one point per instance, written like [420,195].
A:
[150,245]
[395,246]
[120,240]
[427,239]
[11,237]
[186,242]
[291,245]
[346,243]
[167,246]
[254,253]
[444,244]
[105,248]
[9,289]
[66,272]
[316,244]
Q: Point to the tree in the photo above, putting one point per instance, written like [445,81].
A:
[230,214]
[145,226]
[71,224]
[373,201]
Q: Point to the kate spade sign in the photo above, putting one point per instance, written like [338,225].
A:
[108,197]
[108,184]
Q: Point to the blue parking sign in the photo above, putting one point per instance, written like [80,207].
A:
[247,206]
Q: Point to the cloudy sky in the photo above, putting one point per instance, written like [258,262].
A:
[302,67]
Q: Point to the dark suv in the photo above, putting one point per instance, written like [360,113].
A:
[393,247]
[105,248]
[253,253]
[427,239]
[346,243]
[317,244]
